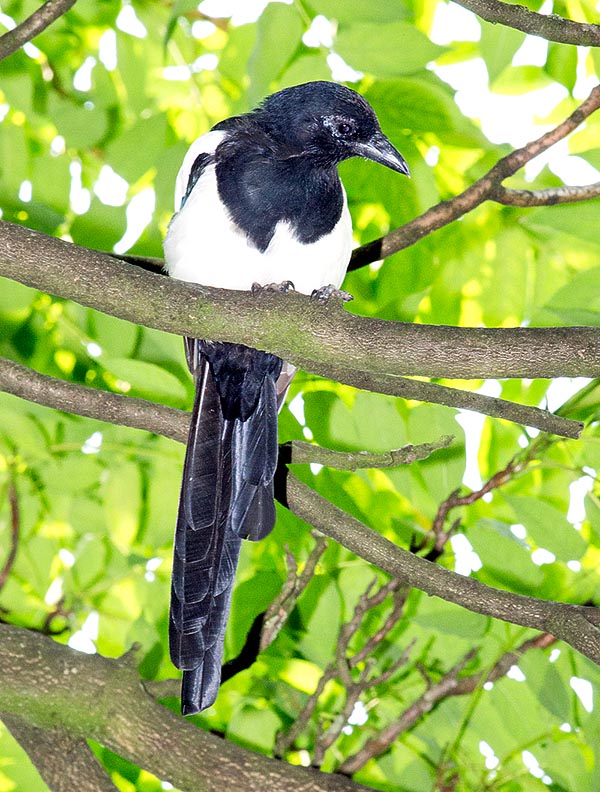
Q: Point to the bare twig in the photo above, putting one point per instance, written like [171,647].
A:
[286,600]
[515,466]
[387,736]
[489,187]
[449,685]
[547,26]
[15,523]
[343,664]
[34,25]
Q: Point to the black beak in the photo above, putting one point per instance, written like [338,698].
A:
[379,149]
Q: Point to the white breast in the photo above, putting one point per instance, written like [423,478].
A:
[203,245]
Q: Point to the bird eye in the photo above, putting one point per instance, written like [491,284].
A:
[344,128]
[340,127]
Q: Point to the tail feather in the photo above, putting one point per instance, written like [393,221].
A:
[252,509]
[226,494]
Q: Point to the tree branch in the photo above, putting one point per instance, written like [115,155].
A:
[547,26]
[489,187]
[574,624]
[291,325]
[34,25]
[170,422]
[549,197]
[463,591]
[50,686]
[65,763]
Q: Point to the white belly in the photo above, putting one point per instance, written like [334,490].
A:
[204,246]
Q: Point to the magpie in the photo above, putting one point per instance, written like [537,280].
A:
[259,203]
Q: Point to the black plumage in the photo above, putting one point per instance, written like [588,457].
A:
[259,199]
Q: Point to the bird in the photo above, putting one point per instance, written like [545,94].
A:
[258,204]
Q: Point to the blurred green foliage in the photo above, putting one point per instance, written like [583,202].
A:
[119,90]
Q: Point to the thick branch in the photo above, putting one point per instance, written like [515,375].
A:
[574,624]
[322,339]
[50,686]
[65,763]
[548,26]
[34,25]
[486,188]
[141,414]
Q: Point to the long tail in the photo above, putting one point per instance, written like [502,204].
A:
[226,495]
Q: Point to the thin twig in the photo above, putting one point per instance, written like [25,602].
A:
[15,523]
[386,737]
[515,466]
[549,197]
[34,25]
[486,188]
[281,607]
[449,685]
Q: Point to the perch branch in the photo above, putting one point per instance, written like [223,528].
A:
[324,339]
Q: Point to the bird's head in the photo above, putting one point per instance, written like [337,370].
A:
[328,122]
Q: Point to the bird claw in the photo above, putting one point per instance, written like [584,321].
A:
[283,288]
[325,293]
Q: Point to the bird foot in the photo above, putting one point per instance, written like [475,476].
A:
[283,288]
[325,293]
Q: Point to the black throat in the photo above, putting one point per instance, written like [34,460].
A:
[262,183]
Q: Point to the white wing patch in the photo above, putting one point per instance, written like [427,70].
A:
[204,245]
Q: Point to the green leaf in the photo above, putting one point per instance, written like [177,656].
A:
[575,219]
[548,527]
[456,621]
[279,34]
[497,45]
[423,106]
[100,228]
[517,80]
[254,727]
[147,380]
[577,303]
[305,69]
[133,153]
[357,10]
[505,559]
[561,64]
[123,503]
[385,50]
